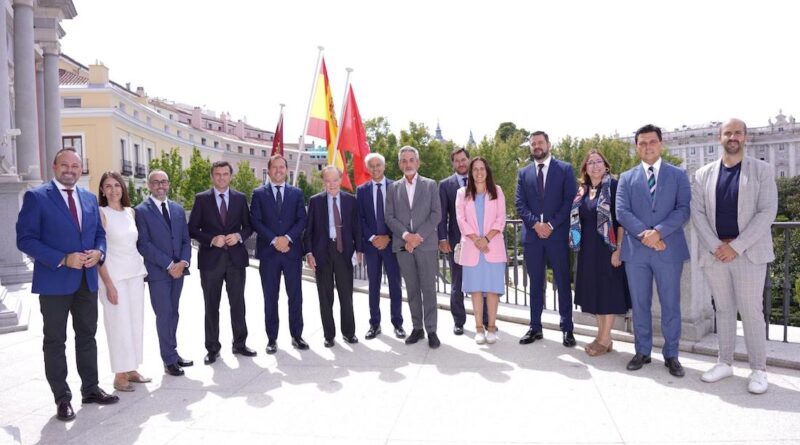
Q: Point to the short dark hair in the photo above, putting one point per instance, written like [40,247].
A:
[276,157]
[219,164]
[125,201]
[540,133]
[64,150]
[649,128]
[458,150]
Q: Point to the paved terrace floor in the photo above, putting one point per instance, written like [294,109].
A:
[384,392]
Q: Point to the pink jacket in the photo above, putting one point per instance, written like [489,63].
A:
[494,217]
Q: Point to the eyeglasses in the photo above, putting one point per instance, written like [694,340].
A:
[162,182]
[596,162]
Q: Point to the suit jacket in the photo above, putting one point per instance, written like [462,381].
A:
[46,232]
[494,218]
[205,223]
[366,213]
[667,212]
[449,228]
[758,206]
[317,236]
[161,245]
[560,189]
[426,213]
[269,223]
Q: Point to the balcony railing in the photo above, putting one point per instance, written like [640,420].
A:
[781,286]
[85,170]
[127,168]
[141,171]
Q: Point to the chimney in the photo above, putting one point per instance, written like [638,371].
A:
[224,119]
[142,99]
[239,130]
[197,118]
[98,75]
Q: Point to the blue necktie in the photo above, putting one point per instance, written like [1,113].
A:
[651,181]
[381,223]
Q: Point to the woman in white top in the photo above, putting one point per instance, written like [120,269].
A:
[122,283]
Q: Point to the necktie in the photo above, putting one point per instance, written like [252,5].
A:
[465,181]
[279,198]
[337,221]
[381,223]
[165,214]
[223,210]
[540,179]
[651,181]
[73,209]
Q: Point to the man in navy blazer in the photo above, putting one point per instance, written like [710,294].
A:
[59,228]
[377,239]
[653,201]
[220,222]
[332,236]
[545,190]
[166,248]
[278,215]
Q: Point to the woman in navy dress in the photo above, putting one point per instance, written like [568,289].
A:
[600,285]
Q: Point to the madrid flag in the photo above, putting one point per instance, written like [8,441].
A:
[277,142]
[353,138]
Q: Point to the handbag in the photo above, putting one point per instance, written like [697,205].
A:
[457,254]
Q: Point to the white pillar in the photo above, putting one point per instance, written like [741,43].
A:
[6,153]
[28,163]
[52,104]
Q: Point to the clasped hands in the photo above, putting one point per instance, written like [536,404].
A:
[79,260]
[176,269]
[543,230]
[482,242]
[725,252]
[281,244]
[225,240]
[380,241]
[652,239]
[413,240]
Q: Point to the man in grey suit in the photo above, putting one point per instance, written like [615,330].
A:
[413,213]
[734,203]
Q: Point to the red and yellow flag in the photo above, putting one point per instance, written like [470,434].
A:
[322,123]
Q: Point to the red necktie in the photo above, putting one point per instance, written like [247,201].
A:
[73,209]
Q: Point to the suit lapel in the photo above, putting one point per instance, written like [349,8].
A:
[418,189]
[55,194]
[401,189]
[213,203]
[711,192]
[159,216]
[642,182]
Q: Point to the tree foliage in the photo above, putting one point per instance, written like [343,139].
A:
[136,195]
[310,187]
[244,180]
[196,178]
[170,163]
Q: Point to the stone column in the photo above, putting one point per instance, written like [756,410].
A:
[52,106]
[6,152]
[28,163]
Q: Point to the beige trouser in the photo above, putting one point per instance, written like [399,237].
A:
[738,286]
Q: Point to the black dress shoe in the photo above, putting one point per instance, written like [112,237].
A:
[458,330]
[272,347]
[328,342]
[530,337]
[245,351]
[568,339]
[638,361]
[183,363]
[433,340]
[675,367]
[210,358]
[174,370]
[416,335]
[301,344]
[399,332]
[64,411]
[352,339]
[100,397]
[373,332]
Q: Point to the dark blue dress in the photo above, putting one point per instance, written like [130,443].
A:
[600,288]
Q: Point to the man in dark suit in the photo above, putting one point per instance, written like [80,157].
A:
[278,215]
[545,190]
[220,222]
[166,248]
[59,228]
[653,204]
[450,235]
[377,238]
[332,236]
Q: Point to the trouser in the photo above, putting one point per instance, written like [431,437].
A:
[165,296]
[419,273]
[124,323]
[211,281]
[377,261]
[337,271]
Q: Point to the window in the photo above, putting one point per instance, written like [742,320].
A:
[210,126]
[782,174]
[202,141]
[135,114]
[692,151]
[264,153]
[166,128]
[240,149]
[252,151]
[122,107]
[76,143]
[149,155]
[72,102]
[291,177]
[122,149]
[191,136]
[319,167]
[136,154]
[216,144]
[170,116]
[228,147]
[263,175]
[179,133]
[253,169]
[149,121]
[710,149]
[781,147]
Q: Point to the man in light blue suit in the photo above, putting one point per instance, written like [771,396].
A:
[166,248]
[653,205]
[59,228]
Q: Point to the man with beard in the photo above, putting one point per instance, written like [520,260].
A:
[545,190]
[734,203]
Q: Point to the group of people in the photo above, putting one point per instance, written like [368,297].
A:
[81,250]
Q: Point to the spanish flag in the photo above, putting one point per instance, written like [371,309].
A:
[322,122]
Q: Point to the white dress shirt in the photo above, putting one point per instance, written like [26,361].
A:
[64,195]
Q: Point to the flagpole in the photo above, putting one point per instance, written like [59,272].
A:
[341,117]
[302,145]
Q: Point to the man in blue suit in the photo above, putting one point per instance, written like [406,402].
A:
[59,228]
[545,190]
[166,248]
[377,239]
[653,205]
[278,216]
[332,236]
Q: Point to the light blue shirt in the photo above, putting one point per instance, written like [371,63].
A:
[331,224]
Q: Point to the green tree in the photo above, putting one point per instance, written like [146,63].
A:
[136,194]
[382,140]
[196,178]
[505,157]
[245,180]
[170,163]
[434,155]
[507,130]
[788,194]
[310,187]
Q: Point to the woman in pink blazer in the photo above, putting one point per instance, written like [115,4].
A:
[481,216]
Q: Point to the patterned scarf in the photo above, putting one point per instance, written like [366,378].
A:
[605,227]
